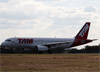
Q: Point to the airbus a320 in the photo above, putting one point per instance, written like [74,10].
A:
[48,44]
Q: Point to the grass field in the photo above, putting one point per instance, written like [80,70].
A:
[49,63]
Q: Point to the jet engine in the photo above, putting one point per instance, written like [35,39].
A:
[42,48]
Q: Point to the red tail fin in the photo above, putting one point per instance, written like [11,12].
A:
[83,33]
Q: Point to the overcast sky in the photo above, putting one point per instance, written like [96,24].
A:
[49,18]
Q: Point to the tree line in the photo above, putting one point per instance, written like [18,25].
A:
[87,49]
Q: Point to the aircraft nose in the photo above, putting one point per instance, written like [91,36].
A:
[3,44]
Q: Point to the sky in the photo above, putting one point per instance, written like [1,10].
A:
[49,18]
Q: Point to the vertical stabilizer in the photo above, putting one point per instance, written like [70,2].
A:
[83,33]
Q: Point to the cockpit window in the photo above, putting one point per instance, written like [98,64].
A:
[8,40]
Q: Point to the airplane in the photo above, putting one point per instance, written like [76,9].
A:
[49,44]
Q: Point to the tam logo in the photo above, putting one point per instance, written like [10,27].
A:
[84,30]
[25,41]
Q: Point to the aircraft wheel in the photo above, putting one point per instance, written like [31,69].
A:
[49,51]
[36,50]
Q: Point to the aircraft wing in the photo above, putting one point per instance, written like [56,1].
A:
[57,43]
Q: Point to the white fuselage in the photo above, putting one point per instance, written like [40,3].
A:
[33,42]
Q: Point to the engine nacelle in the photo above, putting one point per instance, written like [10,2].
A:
[42,48]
